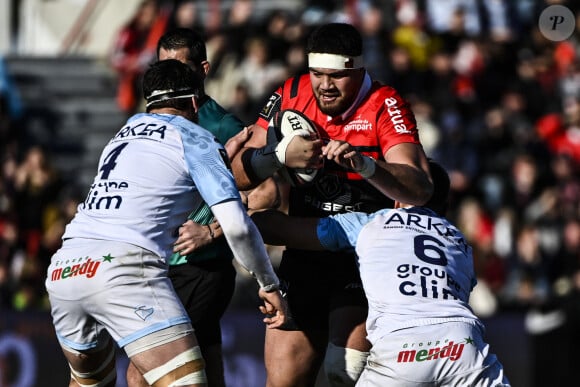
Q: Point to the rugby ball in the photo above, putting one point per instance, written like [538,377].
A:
[284,124]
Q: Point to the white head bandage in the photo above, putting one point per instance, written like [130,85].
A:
[163,95]
[334,61]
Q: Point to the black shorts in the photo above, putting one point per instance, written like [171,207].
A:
[317,282]
[205,288]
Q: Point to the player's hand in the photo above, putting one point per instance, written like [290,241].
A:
[342,153]
[237,142]
[192,237]
[275,308]
[304,152]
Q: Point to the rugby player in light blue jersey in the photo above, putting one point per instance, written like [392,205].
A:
[417,273]
[109,280]
[201,269]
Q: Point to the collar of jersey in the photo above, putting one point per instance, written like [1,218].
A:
[363,91]
[420,210]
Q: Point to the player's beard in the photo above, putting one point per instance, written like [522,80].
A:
[335,107]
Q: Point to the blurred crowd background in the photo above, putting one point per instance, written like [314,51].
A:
[497,104]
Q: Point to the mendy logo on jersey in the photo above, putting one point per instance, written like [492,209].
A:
[451,351]
[80,267]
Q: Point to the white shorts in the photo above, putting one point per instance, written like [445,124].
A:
[448,354]
[99,288]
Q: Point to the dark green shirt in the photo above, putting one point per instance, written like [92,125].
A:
[223,125]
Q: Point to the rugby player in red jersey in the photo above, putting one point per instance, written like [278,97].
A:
[340,97]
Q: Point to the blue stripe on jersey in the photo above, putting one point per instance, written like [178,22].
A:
[340,232]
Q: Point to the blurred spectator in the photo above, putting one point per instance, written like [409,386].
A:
[495,151]
[185,14]
[375,41]
[276,29]
[527,283]
[490,268]
[519,125]
[410,35]
[9,250]
[242,105]
[402,75]
[484,17]
[223,72]
[554,323]
[450,38]
[524,184]
[525,81]
[11,110]
[444,15]
[569,251]
[258,72]
[296,59]
[36,185]
[566,172]
[239,25]
[546,73]
[134,49]
[439,79]
[429,131]
[476,224]
[456,152]
[226,49]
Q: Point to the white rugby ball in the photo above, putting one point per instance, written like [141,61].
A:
[284,123]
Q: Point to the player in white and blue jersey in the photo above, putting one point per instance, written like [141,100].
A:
[109,278]
[417,273]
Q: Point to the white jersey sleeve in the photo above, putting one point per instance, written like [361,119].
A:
[150,175]
[246,242]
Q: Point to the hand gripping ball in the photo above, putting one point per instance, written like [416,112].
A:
[286,124]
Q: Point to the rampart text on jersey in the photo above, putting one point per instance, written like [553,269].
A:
[358,125]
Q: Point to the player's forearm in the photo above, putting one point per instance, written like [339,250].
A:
[402,182]
[271,226]
[252,166]
[279,229]
[243,181]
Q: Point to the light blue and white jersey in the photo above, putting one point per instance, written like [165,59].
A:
[151,174]
[416,267]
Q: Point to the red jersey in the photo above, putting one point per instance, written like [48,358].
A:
[379,119]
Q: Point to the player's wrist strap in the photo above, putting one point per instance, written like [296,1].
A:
[369,167]
[261,163]
[271,288]
[211,233]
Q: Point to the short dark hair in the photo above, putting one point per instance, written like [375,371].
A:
[184,38]
[335,38]
[172,77]
[439,201]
